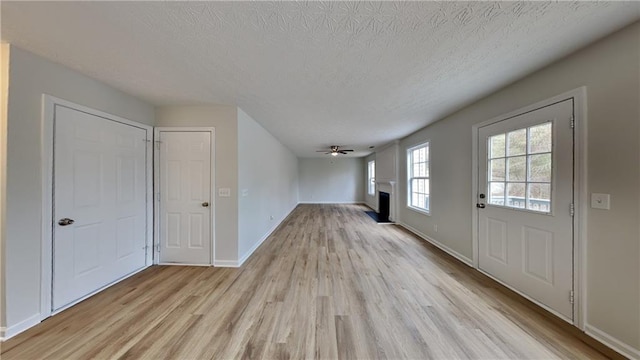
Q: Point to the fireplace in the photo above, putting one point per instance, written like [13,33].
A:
[383,206]
[387,200]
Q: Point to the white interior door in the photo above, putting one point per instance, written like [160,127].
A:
[185,197]
[99,233]
[525,181]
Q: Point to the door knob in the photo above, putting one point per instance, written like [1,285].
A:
[205,204]
[65,222]
[480,206]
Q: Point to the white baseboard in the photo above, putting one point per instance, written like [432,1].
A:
[610,341]
[601,336]
[226,263]
[182,264]
[331,202]
[265,236]
[439,245]
[11,331]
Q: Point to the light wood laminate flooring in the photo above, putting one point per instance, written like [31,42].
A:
[329,283]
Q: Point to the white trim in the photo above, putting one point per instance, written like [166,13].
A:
[47,130]
[610,341]
[156,176]
[46,260]
[226,263]
[265,237]
[369,177]
[409,159]
[579,97]
[8,332]
[580,196]
[184,264]
[332,202]
[439,245]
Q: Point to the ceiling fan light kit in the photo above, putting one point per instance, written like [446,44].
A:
[334,150]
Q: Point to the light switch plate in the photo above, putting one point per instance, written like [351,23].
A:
[600,201]
[224,192]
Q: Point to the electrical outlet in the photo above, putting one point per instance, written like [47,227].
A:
[435,228]
[271,217]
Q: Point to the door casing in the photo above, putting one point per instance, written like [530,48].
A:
[579,97]
[49,104]
[156,191]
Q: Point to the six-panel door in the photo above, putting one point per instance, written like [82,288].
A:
[185,197]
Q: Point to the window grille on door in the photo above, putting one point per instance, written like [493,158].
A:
[520,168]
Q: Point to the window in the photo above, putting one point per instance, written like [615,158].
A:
[520,168]
[371,166]
[418,177]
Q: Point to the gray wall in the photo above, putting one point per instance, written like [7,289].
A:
[610,70]
[224,119]
[267,182]
[370,200]
[31,76]
[331,180]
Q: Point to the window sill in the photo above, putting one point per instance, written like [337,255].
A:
[419,210]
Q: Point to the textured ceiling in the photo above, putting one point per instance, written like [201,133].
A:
[313,73]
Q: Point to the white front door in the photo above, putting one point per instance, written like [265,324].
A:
[99,233]
[185,197]
[525,200]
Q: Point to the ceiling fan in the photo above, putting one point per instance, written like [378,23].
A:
[334,150]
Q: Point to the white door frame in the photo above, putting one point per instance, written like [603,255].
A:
[49,104]
[579,97]
[156,193]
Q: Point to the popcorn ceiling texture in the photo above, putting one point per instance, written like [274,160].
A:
[313,73]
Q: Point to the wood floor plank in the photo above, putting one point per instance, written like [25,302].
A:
[329,283]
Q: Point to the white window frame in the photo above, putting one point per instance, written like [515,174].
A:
[410,177]
[371,177]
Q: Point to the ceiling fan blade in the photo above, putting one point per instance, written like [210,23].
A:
[345,150]
[342,152]
[321,150]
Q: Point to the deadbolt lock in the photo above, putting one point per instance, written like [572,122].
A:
[205,204]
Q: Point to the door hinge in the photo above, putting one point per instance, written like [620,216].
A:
[571,296]
[572,210]
[572,123]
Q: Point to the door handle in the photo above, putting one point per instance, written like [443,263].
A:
[65,222]
[205,204]
[480,206]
